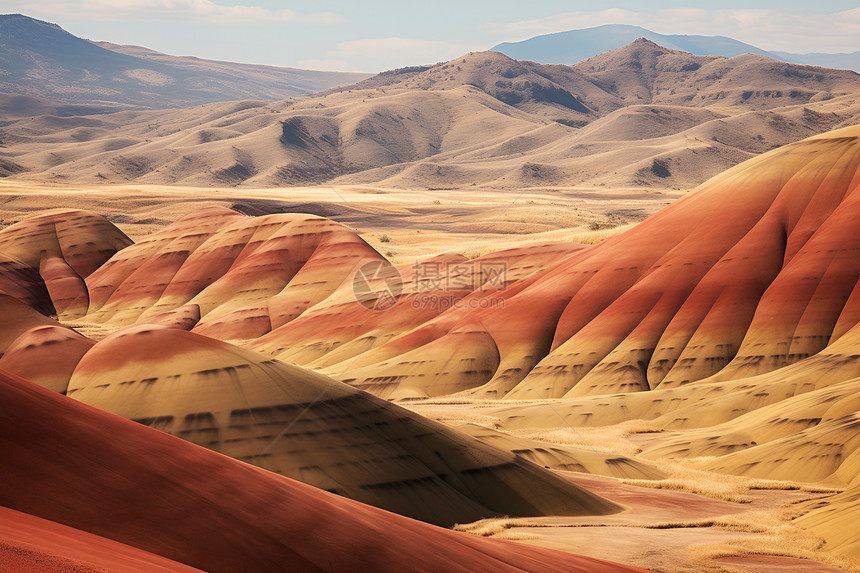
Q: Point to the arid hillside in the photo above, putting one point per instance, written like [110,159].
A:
[640,116]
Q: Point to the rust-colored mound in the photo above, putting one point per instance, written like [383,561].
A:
[61,248]
[17,319]
[29,544]
[246,275]
[688,293]
[447,303]
[306,426]
[72,464]
[755,270]
[83,239]
[46,355]
[20,281]
[741,412]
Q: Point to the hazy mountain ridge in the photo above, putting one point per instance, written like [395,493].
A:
[42,60]
[573,46]
[641,115]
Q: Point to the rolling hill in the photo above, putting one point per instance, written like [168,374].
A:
[641,115]
[574,46]
[133,499]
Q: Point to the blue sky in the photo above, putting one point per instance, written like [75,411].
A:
[374,35]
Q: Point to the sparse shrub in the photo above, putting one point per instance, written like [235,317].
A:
[384,239]
[660,168]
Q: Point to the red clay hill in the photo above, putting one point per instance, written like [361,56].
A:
[100,475]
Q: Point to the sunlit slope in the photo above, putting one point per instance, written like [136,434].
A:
[306,426]
[78,466]
[639,116]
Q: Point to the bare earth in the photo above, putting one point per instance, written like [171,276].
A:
[417,223]
[665,530]
[692,524]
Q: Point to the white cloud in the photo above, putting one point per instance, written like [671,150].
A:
[388,53]
[196,11]
[789,31]
[410,48]
[331,65]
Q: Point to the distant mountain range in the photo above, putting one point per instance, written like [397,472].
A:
[576,45]
[848,61]
[62,74]
[43,61]
[638,116]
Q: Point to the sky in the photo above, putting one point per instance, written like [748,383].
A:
[376,35]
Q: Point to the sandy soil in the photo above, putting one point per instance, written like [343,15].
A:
[665,530]
[402,224]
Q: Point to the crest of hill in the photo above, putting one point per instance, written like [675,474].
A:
[647,72]
[573,46]
[520,84]
[40,59]
[637,73]
[94,472]
[641,115]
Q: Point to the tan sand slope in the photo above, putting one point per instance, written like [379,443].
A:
[566,458]
[163,495]
[641,115]
[303,425]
